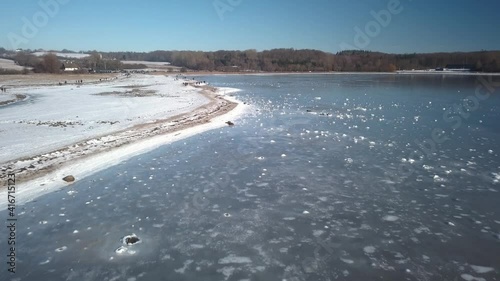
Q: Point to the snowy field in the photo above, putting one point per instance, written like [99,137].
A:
[63,55]
[9,64]
[53,117]
[152,65]
[148,63]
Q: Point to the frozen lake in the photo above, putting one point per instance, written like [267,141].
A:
[332,177]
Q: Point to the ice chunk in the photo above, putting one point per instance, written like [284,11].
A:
[347,261]
[62,249]
[234,259]
[121,250]
[469,277]
[481,269]
[369,249]
[390,218]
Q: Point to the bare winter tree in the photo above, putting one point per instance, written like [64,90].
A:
[51,63]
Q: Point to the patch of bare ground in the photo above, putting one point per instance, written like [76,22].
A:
[131,93]
[134,86]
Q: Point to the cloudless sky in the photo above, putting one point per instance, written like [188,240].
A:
[133,25]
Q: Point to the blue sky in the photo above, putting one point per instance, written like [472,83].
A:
[328,25]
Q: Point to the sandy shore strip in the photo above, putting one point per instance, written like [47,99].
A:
[42,173]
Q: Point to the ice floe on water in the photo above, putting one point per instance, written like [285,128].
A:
[468,277]
[481,269]
[390,218]
[61,249]
[185,266]
[348,261]
[369,249]
[234,259]
[45,261]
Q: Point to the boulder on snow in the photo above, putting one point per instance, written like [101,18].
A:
[69,178]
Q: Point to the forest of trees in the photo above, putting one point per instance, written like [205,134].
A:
[291,60]
[46,64]
[276,60]
[50,63]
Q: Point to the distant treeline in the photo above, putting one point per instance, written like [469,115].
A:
[50,63]
[276,60]
[290,60]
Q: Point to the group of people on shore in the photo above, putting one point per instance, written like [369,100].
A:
[66,82]
[3,89]
[178,77]
[195,83]
[81,81]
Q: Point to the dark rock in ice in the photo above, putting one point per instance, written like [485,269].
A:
[230,123]
[69,179]
[131,240]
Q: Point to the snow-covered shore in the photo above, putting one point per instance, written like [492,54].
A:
[79,130]
[54,117]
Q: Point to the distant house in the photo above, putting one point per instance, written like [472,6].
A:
[69,67]
[457,67]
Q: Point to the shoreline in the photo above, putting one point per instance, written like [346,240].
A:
[215,73]
[16,98]
[40,174]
